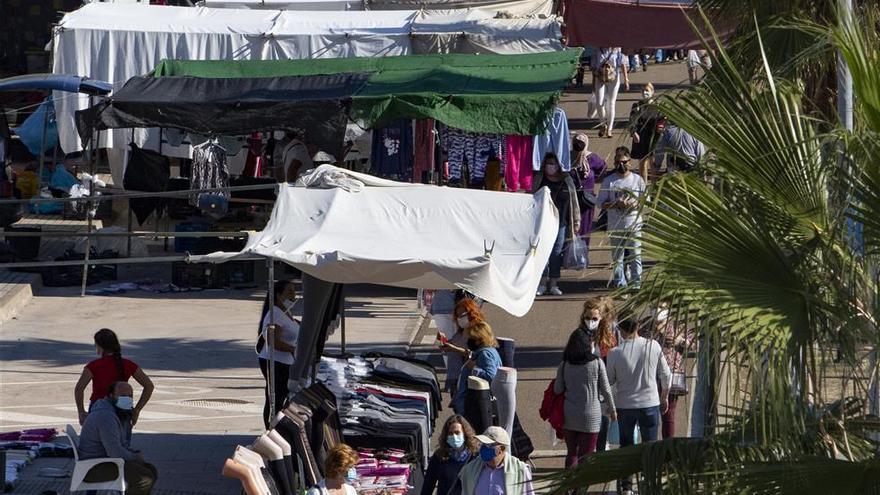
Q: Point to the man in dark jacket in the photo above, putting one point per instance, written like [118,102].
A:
[102,435]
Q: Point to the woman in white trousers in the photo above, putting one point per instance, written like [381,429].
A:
[606,92]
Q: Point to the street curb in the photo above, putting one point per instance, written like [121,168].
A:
[20,291]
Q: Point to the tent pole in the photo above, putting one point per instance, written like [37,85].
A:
[342,325]
[42,150]
[270,341]
[91,149]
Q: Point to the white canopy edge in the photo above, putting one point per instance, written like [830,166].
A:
[348,228]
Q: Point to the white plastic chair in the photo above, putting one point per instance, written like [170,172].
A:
[81,468]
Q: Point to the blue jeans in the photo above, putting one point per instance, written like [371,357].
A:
[626,252]
[554,264]
[648,420]
[658,55]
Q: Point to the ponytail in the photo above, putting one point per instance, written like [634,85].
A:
[108,342]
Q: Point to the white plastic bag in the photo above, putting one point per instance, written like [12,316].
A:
[575,257]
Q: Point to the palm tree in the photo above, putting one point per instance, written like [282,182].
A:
[755,250]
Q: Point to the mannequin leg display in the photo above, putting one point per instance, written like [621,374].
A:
[236,470]
[256,466]
[275,462]
[478,404]
[506,348]
[504,390]
[288,458]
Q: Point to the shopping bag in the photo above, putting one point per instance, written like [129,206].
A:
[575,257]
[614,434]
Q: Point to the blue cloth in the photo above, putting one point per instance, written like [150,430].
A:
[488,361]
[62,180]
[392,151]
[31,130]
[554,140]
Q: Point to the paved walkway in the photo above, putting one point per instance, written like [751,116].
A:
[198,349]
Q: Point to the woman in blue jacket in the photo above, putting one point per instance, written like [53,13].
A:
[483,363]
[458,446]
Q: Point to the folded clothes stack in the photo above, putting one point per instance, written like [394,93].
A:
[20,448]
[383,471]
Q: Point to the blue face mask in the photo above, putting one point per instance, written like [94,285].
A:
[125,403]
[351,475]
[487,453]
[455,441]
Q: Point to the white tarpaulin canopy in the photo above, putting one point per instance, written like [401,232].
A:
[114,42]
[492,244]
[519,8]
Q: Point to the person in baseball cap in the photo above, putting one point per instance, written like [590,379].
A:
[495,472]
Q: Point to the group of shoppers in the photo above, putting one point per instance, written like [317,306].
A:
[619,371]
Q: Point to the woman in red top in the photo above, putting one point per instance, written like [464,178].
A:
[110,368]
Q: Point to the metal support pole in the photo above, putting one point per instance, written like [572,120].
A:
[42,150]
[342,325]
[91,150]
[844,76]
[130,221]
[270,341]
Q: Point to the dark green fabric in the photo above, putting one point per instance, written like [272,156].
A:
[504,94]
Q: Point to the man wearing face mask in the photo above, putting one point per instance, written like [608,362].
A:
[101,436]
[619,196]
[495,472]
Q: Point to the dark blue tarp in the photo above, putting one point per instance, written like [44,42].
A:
[55,82]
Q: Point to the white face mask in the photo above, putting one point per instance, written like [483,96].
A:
[592,325]
[463,321]
[647,94]
[661,314]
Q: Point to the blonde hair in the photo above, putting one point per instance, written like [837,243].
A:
[605,306]
[481,333]
[340,459]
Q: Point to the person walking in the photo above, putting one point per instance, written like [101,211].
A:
[674,344]
[458,446]
[286,332]
[643,129]
[619,196]
[680,150]
[693,64]
[635,367]
[581,377]
[466,314]
[563,191]
[599,323]
[483,362]
[108,369]
[587,168]
[496,472]
[610,72]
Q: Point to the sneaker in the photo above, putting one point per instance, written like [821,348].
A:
[555,291]
[540,292]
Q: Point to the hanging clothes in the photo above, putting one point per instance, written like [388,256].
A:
[253,166]
[147,171]
[392,153]
[209,169]
[554,140]
[518,162]
[423,161]
[472,150]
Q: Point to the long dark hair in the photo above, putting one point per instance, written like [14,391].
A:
[280,286]
[470,437]
[108,342]
[579,349]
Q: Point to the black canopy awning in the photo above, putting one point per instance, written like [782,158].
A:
[314,106]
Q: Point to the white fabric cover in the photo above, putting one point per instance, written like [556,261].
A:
[517,8]
[411,235]
[325,5]
[114,42]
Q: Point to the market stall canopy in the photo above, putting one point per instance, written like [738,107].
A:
[516,8]
[55,82]
[347,227]
[314,106]
[96,41]
[631,25]
[503,94]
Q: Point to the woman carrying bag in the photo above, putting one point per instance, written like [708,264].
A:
[581,377]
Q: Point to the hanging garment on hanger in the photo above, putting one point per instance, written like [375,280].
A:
[472,150]
[147,171]
[209,169]
[424,149]
[253,166]
[554,140]
[518,162]
[392,154]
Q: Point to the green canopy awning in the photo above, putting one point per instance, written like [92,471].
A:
[503,94]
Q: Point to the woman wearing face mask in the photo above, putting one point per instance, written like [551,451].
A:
[286,332]
[339,472]
[599,323]
[110,368]
[674,343]
[458,446]
[560,184]
[581,377]
[587,167]
[643,129]
[483,362]
[466,314]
